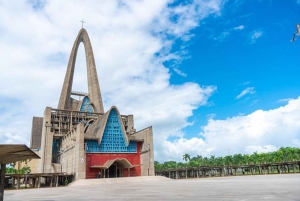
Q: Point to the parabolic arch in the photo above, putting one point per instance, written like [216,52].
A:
[93,83]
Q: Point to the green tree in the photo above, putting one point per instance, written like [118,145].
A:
[200,159]
[186,158]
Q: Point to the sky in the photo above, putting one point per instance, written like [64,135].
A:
[212,77]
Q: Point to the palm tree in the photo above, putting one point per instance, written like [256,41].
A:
[212,160]
[237,159]
[200,159]
[186,157]
[205,160]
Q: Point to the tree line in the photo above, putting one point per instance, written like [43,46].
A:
[284,154]
[11,168]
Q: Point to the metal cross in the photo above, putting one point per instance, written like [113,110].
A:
[82,23]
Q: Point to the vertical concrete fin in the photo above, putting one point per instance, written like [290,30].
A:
[93,84]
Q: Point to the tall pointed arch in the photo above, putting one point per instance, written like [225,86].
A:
[93,83]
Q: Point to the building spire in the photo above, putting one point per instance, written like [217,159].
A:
[93,83]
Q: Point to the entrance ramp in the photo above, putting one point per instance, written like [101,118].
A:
[99,181]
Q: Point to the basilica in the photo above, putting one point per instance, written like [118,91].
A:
[80,138]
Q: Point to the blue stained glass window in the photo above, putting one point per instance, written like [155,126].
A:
[113,139]
[85,106]
[54,147]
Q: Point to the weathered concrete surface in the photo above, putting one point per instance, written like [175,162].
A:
[261,187]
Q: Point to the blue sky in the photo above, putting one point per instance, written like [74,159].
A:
[208,75]
[224,53]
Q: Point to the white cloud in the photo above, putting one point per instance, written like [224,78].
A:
[284,100]
[179,72]
[296,142]
[261,131]
[245,83]
[241,27]
[248,90]
[225,34]
[211,116]
[255,35]
[130,39]
[222,36]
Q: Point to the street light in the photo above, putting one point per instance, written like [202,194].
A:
[297,32]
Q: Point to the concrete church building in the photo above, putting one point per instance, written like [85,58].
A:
[79,138]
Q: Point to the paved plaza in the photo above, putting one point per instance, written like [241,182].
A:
[261,187]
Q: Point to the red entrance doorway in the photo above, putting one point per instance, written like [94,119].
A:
[119,167]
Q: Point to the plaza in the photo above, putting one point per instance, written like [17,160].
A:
[258,187]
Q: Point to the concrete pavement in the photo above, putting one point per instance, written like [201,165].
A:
[258,187]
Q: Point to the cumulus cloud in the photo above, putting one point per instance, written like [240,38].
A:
[261,131]
[131,41]
[241,27]
[255,35]
[248,90]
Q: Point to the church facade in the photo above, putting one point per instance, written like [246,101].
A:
[80,138]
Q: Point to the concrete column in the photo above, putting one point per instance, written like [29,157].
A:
[39,182]
[25,181]
[2,178]
[51,180]
[56,181]
[18,182]
[34,182]
[294,168]
[13,182]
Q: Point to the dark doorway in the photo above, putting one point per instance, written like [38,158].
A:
[112,171]
[118,173]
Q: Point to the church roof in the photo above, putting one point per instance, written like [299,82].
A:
[98,127]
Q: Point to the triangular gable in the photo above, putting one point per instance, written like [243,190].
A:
[111,136]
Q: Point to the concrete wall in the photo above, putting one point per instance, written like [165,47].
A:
[147,151]
[36,132]
[72,157]
[32,163]
[44,164]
